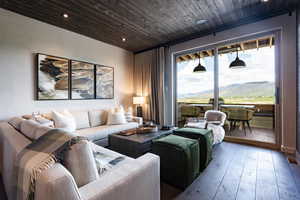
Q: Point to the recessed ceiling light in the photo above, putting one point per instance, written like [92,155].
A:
[123,39]
[201,21]
[65,15]
[264,0]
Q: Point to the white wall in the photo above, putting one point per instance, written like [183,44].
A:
[21,38]
[287,25]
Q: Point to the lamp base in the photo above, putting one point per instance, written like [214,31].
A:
[139,111]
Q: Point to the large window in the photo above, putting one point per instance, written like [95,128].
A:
[254,84]
[242,76]
[196,87]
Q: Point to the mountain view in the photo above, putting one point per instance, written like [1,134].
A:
[248,93]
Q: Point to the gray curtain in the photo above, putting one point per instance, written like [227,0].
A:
[149,82]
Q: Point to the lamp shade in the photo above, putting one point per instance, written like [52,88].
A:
[199,69]
[237,63]
[138,100]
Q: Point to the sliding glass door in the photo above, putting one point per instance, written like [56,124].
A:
[195,84]
[237,78]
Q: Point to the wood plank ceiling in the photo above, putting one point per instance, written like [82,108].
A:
[146,23]
[231,48]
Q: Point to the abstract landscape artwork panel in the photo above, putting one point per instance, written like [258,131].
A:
[83,80]
[104,82]
[53,78]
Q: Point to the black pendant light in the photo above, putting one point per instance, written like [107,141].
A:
[199,68]
[237,63]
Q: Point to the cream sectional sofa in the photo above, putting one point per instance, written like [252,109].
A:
[93,125]
[134,179]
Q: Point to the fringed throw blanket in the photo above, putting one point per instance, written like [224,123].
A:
[38,156]
[105,161]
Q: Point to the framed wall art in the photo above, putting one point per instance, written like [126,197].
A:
[64,79]
[82,80]
[52,78]
[104,82]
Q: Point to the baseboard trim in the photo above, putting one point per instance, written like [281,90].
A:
[298,157]
[252,143]
[288,150]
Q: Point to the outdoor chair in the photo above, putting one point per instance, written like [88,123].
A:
[238,115]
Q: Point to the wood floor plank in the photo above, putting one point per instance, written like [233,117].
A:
[205,187]
[247,185]
[295,169]
[266,185]
[230,183]
[286,184]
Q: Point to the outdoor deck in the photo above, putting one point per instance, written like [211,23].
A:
[262,122]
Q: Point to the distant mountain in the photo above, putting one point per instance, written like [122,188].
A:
[250,89]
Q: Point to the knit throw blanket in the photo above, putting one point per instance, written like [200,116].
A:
[38,156]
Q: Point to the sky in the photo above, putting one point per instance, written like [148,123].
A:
[260,67]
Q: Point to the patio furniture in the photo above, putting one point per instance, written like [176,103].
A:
[213,120]
[237,115]
[179,159]
[212,101]
[205,140]
[215,117]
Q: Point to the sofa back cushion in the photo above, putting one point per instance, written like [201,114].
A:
[97,117]
[81,119]
[79,160]
[116,118]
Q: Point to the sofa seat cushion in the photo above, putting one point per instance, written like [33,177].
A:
[101,132]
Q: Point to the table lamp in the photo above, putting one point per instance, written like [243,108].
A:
[139,101]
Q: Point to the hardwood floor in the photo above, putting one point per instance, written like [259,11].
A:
[244,173]
[239,172]
[257,134]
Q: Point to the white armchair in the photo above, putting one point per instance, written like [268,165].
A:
[213,120]
[215,117]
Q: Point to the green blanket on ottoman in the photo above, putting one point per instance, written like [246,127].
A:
[205,139]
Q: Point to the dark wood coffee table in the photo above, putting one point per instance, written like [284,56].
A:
[135,145]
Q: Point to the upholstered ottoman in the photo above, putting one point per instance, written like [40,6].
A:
[179,159]
[205,139]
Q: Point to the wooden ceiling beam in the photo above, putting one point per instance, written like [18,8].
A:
[209,52]
[242,46]
[271,42]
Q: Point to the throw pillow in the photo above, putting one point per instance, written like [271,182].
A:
[64,120]
[81,119]
[129,115]
[79,160]
[116,118]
